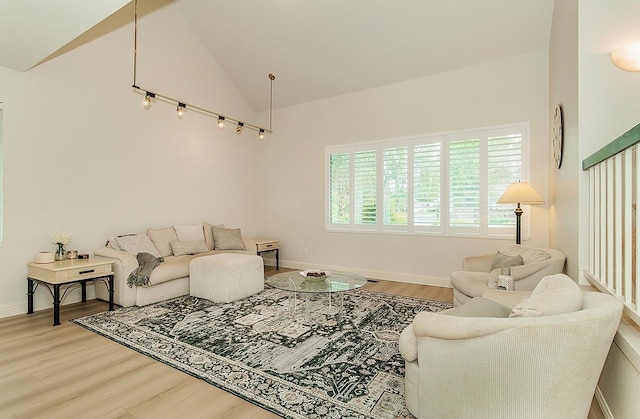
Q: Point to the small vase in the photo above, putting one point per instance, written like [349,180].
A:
[60,252]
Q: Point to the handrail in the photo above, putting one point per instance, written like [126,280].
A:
[624,141]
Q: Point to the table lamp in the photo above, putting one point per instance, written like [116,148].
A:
[520,193]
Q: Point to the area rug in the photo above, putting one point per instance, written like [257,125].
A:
[296,360]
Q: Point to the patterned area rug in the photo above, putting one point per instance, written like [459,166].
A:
[296,360]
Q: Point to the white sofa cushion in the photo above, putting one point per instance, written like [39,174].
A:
[555,294]
[479,307]
[162,239]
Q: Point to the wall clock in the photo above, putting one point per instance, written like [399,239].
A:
[557,136]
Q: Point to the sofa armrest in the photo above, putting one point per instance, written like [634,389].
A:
[478,263]
[123,264]
[506,298]
[251,245]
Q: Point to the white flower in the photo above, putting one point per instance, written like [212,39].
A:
[62,238]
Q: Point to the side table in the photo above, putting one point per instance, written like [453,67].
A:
[68,272]
[269,246]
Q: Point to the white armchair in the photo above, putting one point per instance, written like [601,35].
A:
[480,273]
[494,366]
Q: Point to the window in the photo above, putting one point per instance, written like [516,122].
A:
[445,184]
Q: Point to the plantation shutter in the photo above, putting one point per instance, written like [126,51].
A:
[504,166]
[426,180]
[339,188]
[395,186]
[464,183]
[365,187]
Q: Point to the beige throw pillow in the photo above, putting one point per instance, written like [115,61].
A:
[227,239]
[554,294]
[188,247]
[506,261]
[208,234]
[190,232]
[139,243]
[162,239]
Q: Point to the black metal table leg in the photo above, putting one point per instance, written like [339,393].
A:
[277,259]
[56,304]
[29,296]
[84,291]
[111,292]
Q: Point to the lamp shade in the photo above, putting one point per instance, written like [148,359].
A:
[520,193]
[628,57]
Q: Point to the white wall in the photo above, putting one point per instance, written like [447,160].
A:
[82,155]
[563,90]
[293,175]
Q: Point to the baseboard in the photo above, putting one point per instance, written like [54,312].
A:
[373,274]
[602,410]
[43,301]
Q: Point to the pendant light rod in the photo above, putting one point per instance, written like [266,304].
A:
[200,109]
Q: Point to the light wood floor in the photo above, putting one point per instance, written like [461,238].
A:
[69,372]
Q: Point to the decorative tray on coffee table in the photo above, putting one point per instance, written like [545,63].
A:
[314,274]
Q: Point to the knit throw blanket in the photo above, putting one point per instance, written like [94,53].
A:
[140,275]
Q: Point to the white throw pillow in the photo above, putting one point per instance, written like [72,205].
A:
[191,232]
[139,243]
[554,294]
[188,247]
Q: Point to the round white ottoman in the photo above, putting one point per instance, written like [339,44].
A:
[226,277]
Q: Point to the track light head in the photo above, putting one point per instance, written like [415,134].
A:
[221,122]
[147,98]
[261,134]
[180,109]
[239,128]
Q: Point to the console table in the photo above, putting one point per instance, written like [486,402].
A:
[68,272]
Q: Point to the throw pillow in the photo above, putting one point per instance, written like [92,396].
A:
[188,247]
[479,307]
[191,232]
[554,294]
[534,255]
[506,261]
[208,234]
[227,239]
[139,243]
[162,239]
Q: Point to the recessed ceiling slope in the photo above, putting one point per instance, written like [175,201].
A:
[319,49]
[31,30]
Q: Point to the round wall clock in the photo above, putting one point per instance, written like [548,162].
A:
[557,136]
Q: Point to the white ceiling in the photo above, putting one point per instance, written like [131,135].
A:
[316,48]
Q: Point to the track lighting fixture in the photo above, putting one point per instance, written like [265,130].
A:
[180,109]
[147,98]
[182,106]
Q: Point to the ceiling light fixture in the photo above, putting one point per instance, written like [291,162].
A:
[628,57]
[180,109]
[181,105]
[147,98]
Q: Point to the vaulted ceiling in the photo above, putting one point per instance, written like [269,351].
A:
[316,48]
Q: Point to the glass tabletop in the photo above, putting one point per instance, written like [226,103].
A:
[335,282]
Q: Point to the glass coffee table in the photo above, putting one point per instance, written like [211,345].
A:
[334,283]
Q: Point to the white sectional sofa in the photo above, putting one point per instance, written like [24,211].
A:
[177,245]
